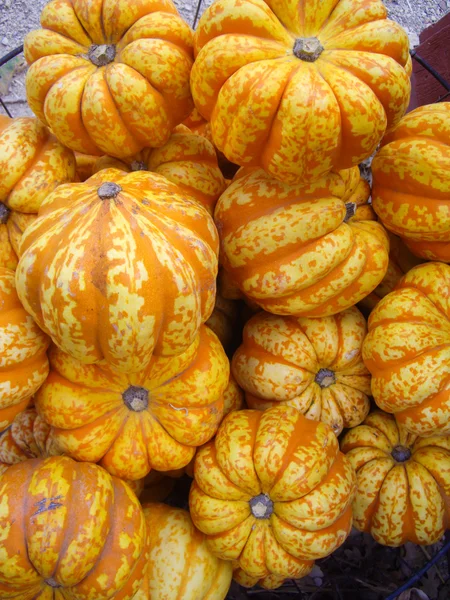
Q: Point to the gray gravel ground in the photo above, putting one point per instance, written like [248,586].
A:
[17,17]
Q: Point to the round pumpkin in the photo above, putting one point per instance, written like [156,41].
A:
[299,88]
[407,350]
[411,181]
[110,78]
[270,582]
[12,226]
[69,529]
[157,416]
[119,267]
[272,492]
[403,482]
[314,365]
[310,250]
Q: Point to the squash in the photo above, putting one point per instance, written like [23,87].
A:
[110,78]
[299,87]
[403,482]
[407,350]
[23,359]
[119,267]
[272,492]
[12,226]
[411,181]
[270,582]
[157,416]
[314,365]
[311,250]
[69,528]
[85,165]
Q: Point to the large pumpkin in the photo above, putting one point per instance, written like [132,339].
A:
[411,181]
[69,530]
[23,358]
[407,350]
[272,492]
[154,418]
[299,87]
[180,565]
[119,267]
[110,77]
[314,365]
[403,482]
[301,250]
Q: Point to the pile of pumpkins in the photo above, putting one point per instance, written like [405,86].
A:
[188,255]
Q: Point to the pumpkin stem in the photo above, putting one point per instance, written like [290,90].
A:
[136,398]
[325,378]
[138,165]
[52,583]
[308,49]
[4,213]
[101,54]
[108,190]
[350,209]
[261,506]
[401,453]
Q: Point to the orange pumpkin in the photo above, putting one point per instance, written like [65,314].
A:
[310,250]
[403,482]
[110,77]
[411,181]
[23,358]
[158,415]
[12,226]
[314,365]
[119,267]
[299,87]
[85,165]
[407,350]
[272,492]
[69,530]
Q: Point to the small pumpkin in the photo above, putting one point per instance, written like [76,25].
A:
[69,528]
[403,481]
[407,350]
[12,226]
[272,492]
[270,582]
[85,165]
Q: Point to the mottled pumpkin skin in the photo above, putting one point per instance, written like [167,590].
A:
[97,416]
[180,566]
[270,582]
[188,160]
[12,226]
[314,365]
[131,99]
[407,350]
[297,119]
[411,181]
[121,277]
[69,529]
[23,358]
[272,492]
[289,248]
[403,482]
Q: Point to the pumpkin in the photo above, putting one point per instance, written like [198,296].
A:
[224,321]
[188,160]
[119,267]
[32,163]
[85,165]
[411,181]
[272,492]
[403,482]
[158,416]
[69,530]
[23,359]
[110,78]
[314,365]
[310,250]
[300,87]
[12,226]
[270,582]
[407,350]
[180,566]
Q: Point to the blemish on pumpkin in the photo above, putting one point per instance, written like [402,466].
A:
[180,408]
[47,504]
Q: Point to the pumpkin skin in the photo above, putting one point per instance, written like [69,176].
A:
[407,350]
[270,107]
[23,359]
[411,181]
[12,226]
[110,78]
[403,482]
[85,165]
[96,540]
[89,266]
[272,492]
[289,249]
[314,365]
[270,582]
[158,415]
